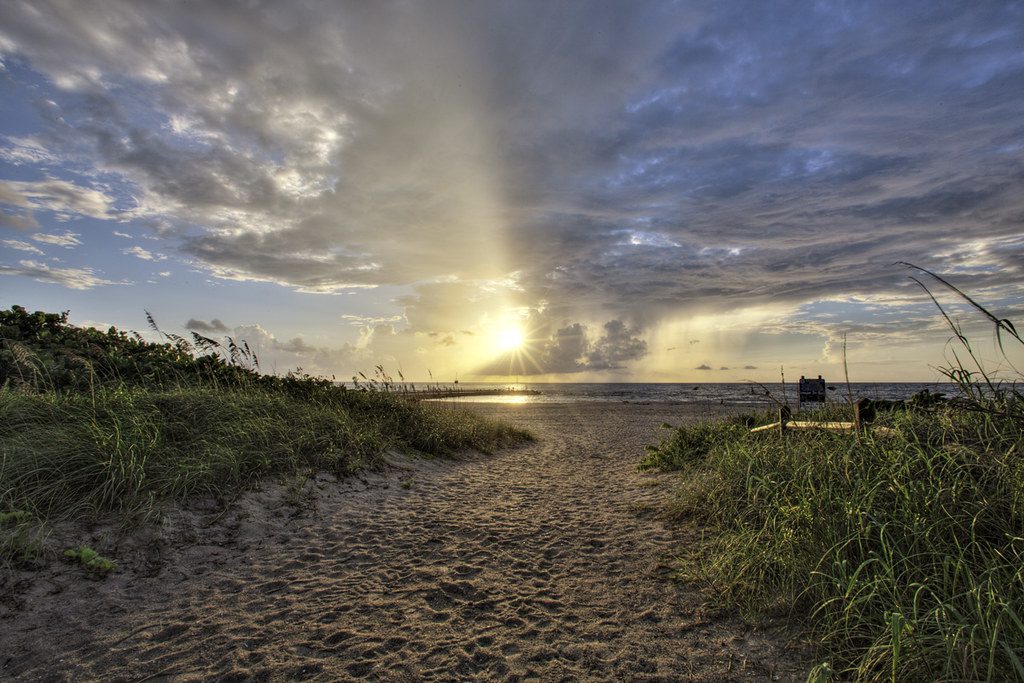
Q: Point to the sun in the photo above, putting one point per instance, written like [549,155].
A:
[509,338]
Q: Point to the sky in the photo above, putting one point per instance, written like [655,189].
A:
[547,191]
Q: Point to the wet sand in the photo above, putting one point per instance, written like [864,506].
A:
[545,562]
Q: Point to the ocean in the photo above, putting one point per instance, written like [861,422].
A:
[741,394]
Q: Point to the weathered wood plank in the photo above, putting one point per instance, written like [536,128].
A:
[831,426]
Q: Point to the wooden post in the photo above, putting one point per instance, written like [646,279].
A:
[784,415]
[863,413]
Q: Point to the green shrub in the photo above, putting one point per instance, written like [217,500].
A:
[124,449]
[95,422]
[90,560]
[691,444]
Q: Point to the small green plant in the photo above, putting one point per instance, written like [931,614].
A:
[90,560]
[407,484]
[295,492]
[21,538]
[691,443]
[14,517]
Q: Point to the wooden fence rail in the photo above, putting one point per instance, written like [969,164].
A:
[863,416]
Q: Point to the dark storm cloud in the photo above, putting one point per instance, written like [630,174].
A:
[215,325]
[626,160]
[798,158]
[571,348]
[618,345]
[564,351]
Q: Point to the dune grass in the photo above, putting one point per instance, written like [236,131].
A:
[901,554]
[66,454]
[98,422]
[904,553]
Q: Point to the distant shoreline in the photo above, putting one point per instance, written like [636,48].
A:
[747,395]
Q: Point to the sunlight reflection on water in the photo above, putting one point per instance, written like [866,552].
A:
[488,399]
[745,394]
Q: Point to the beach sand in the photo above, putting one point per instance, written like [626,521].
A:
[545,561]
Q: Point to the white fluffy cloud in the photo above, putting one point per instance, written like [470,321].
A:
[22,246]
[140,253]
[72,278]
[67,239]
[26,150]
[63,198]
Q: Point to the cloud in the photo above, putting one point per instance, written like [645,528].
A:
[363,320]
[143,254]
[618,345]
[571,348]
[453,305]
[16,220]
[63,198]
[68,240]
[699,157]
[280,356]
[72,278]
[215,325]
[564,351]
[97,325]
[295,345]
[26,150]
[22,246]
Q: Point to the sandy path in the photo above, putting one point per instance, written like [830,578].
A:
[536,562]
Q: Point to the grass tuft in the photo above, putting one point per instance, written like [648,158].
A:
[902,554]
[105,422]
[21,539]
[90,560]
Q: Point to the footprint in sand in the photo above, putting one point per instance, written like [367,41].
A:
[527,563]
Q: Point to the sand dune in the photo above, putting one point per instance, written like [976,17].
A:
[538,562]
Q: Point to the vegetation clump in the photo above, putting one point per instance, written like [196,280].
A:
[901,550]
[90,560]
[106,421]
[21,539]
